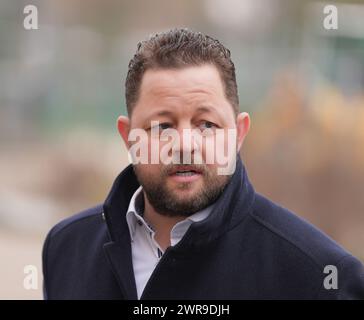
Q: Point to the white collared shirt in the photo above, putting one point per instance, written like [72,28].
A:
[146,252]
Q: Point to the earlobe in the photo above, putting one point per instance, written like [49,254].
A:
[123,124]
[242,127]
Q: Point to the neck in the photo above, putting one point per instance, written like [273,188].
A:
[161,224]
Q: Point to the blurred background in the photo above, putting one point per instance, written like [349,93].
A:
[62,89]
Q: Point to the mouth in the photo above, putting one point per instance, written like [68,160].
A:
[185,173]
[185,170]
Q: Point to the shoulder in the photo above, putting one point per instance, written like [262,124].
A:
[296,231]
[299,238]
[77,232]
[80,220]
[70,244]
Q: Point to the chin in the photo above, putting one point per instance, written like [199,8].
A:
[186,188]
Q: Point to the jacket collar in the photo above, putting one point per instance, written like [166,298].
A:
[230,208]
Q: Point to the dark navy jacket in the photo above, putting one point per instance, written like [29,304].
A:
[248,248]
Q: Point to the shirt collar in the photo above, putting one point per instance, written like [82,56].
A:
[180,228]
[134,215]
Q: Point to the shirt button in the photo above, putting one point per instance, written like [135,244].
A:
[140,223]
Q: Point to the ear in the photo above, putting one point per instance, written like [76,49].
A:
[123,124]
[242,128]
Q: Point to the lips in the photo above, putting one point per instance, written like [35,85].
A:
[186,170]
[185,174]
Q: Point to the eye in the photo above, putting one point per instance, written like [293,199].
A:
[207,125]
[162,126]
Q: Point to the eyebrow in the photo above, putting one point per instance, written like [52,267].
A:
[205,109]
[162,113]
[201,109]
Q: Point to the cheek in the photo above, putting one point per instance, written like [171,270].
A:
[208,151]
[160,151]
[215,147]
[150,171]
[224,149]
[152,147]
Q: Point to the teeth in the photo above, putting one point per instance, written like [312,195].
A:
[185,173]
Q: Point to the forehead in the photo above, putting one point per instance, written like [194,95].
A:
[187,86]
[197,78]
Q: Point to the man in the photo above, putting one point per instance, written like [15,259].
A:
[184,229]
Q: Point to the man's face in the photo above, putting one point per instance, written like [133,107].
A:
[181,99]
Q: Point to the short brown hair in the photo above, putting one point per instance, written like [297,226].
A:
[178,48]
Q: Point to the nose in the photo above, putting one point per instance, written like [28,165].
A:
[186,149]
